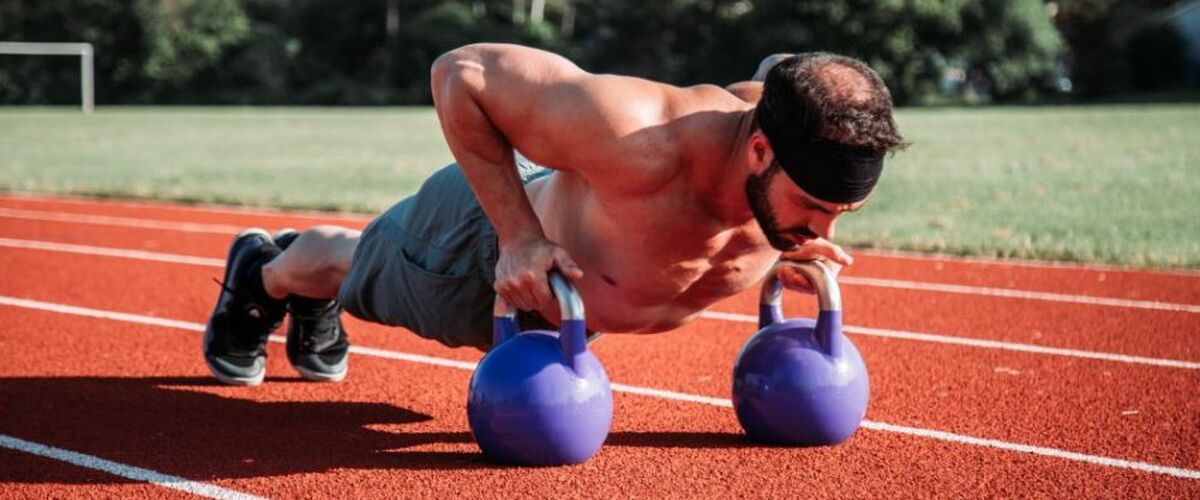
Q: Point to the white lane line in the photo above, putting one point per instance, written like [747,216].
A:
[981,343]
[1022,263]
[100,313]
[646,391]
[122,470]
[111,252]
[715,315]
[360,219]
[849,280]
[1018,294]
[399,356]
[208,208]
[672,395]
[106,220]
[1034,450]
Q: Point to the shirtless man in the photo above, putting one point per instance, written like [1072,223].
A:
[661,201]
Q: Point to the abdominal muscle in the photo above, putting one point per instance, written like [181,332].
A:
[648,267]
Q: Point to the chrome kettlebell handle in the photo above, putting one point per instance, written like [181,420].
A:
[573,330]
[829,300]
[829,297]
[570,303]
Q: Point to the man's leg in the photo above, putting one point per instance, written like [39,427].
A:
[313,265]
[308,274]
[261,282]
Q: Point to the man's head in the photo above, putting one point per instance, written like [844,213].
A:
[826,121]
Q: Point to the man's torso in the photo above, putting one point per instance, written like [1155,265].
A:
[652,261]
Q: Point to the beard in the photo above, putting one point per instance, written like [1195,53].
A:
[756,194]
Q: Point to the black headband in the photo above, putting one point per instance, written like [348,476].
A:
[826,170]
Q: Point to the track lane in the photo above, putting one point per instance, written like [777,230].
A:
[167,211]
[1137,332]
[1045,400]
[400,427]
[1002,369]
[1137,284]
[1036,406]
[174,242]
[30,476]
[1140,332]
[1166,286]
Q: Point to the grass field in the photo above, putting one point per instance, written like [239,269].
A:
[1113,184]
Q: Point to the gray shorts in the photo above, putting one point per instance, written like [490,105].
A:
[428,264]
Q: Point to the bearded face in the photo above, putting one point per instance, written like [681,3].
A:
[757,186]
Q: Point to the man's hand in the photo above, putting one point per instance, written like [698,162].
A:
[818,249]
[521,272]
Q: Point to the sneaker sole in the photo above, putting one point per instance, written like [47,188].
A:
[238,381]
[312,376]
[226,378]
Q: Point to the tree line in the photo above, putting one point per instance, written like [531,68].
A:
[334,52]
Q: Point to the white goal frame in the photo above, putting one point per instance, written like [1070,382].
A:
[83,50]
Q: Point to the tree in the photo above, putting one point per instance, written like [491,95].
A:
[145,49]
[1012,41]
[1099,34]
[379,51]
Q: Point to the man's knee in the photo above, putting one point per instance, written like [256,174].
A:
[322,251]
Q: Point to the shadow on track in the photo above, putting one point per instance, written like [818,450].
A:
[691,440]
[176,425]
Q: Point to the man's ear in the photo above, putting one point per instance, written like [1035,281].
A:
[759,153]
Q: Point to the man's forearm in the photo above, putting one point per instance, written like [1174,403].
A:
[483,153]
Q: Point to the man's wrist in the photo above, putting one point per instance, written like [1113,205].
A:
[519,238]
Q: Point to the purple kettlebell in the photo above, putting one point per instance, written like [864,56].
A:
[539,397]
[800,382]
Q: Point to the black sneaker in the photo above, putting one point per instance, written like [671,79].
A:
[317,344]
[236,335]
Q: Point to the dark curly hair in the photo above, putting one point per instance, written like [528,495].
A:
[823,96]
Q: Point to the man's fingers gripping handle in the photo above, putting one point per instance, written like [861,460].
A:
[566,265]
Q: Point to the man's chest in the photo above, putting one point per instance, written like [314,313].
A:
[670,251]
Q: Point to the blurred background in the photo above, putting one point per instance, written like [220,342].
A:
[332,52]
[1062,130]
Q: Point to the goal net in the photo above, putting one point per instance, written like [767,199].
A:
[83,50]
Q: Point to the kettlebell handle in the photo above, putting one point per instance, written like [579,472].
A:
[572,332]
[829,300]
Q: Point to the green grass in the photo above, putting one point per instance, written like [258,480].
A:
[360,159]
[1114,184]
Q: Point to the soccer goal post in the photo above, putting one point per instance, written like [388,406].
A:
[83,50]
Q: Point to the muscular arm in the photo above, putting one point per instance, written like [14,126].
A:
[491,98]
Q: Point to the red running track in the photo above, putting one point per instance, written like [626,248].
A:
[139,395]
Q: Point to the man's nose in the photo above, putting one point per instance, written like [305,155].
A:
[824,226]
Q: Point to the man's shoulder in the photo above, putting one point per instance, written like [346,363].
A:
[747,91]
[639,143]
[708,97]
